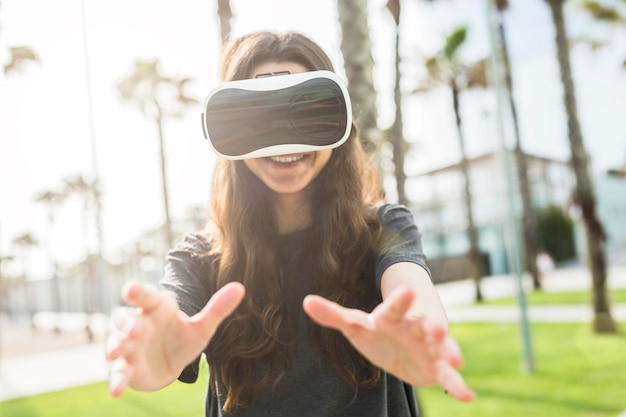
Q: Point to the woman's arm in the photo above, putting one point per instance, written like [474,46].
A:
[406,335]
[155,340]
[426,300]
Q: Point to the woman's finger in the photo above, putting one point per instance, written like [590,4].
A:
[452,381]
[451,352]
[113,347]
[117,347]
[396,306]
[119,377]
[329,314]
[416,327]
[436,330]
[220,306]
[143,296]
[123,320]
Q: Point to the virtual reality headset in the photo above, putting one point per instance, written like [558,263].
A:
[277,115]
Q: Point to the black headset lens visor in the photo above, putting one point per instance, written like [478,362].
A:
[244,123]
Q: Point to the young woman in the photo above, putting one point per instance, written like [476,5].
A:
[308,295]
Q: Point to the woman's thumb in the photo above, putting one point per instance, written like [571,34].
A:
[220,306]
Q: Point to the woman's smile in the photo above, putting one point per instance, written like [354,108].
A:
[292,173]
[287,160]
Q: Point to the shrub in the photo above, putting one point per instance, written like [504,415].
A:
[555,233]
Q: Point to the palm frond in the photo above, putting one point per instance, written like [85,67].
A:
[183,97]
[454,41]
[18,57]
[602,12]
[477,74]
[25,239]
[153,93]
[593,43]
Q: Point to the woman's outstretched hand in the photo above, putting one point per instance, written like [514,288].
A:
[417,350]
[154,341]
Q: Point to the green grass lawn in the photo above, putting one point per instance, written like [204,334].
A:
[578,374]
[177,400]
[570,297]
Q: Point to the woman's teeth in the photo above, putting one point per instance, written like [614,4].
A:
[286,159]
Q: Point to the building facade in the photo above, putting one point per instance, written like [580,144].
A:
[439,206]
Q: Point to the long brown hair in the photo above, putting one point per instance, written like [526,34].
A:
[345,224]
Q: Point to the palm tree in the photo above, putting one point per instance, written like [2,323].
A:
[584,196]
[225,16]
[158,97]
[444,68]
[528,218]
[356,49]
[400,146]
[24,242]
[52,199]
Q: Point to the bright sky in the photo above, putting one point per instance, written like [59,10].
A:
[44,111]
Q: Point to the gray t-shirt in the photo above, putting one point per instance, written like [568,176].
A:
[310,385]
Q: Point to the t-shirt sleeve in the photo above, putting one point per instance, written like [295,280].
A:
[187,271]
[187,277]
[400,240]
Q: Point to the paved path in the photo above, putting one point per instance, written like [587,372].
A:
[36,373]
[553,314]
[461,293]
[458,298]
[43,372]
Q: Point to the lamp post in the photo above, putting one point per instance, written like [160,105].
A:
[102,284]
[511,229]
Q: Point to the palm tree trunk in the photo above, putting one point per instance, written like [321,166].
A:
[104,301]
[225,15]
[528,221]
[169,239]
[356,49]
[584,195]
[89,281]
[56,285]
[472,233]
[56,297]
